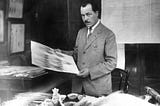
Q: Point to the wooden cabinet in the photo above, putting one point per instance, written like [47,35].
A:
[142,60]
[4,44]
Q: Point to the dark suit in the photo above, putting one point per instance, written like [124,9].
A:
[99,55]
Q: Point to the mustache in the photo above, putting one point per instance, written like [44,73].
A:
[86,22]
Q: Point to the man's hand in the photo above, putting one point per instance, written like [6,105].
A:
[58,50]
[84,73]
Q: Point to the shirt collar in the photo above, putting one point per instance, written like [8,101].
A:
[93,27]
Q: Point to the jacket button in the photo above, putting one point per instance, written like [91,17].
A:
[83,63]
[84,52]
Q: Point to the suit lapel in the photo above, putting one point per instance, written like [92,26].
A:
[94,36]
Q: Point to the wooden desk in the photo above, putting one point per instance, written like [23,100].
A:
[40,82]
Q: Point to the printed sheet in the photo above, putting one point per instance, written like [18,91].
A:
[48,58]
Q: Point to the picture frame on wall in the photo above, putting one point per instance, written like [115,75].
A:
[15,9]
[17,37]
[1,26]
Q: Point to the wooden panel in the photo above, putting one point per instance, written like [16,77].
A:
[143,62]
[4,45]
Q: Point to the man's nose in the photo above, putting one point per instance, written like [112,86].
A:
[85,18]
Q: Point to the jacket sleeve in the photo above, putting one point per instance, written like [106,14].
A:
[110,59]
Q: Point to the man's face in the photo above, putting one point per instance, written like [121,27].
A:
[89,17]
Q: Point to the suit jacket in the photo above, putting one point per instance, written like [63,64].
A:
[99,55]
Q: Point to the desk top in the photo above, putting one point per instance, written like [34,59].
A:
[16,72]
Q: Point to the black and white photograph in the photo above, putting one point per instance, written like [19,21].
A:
[79,52]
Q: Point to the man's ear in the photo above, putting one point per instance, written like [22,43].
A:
[97,12]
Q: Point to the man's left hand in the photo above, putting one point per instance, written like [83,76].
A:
[84,73]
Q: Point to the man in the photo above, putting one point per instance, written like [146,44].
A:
[96,54]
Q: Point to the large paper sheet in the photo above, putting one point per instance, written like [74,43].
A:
[46,57]
[17,37]
[15,9]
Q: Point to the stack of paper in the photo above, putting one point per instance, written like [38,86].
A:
[21,71]
[48,58]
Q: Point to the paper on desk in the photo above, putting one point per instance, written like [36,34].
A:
[46,57]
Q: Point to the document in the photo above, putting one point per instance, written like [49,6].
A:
[48,58]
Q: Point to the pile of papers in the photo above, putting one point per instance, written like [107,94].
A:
[48,58]
[20,71]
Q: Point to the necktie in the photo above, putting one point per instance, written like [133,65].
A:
[89,32]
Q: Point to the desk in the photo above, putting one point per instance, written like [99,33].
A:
[42,81]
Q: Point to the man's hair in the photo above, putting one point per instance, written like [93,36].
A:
[92,2]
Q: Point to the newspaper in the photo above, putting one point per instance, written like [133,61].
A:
[48,58]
